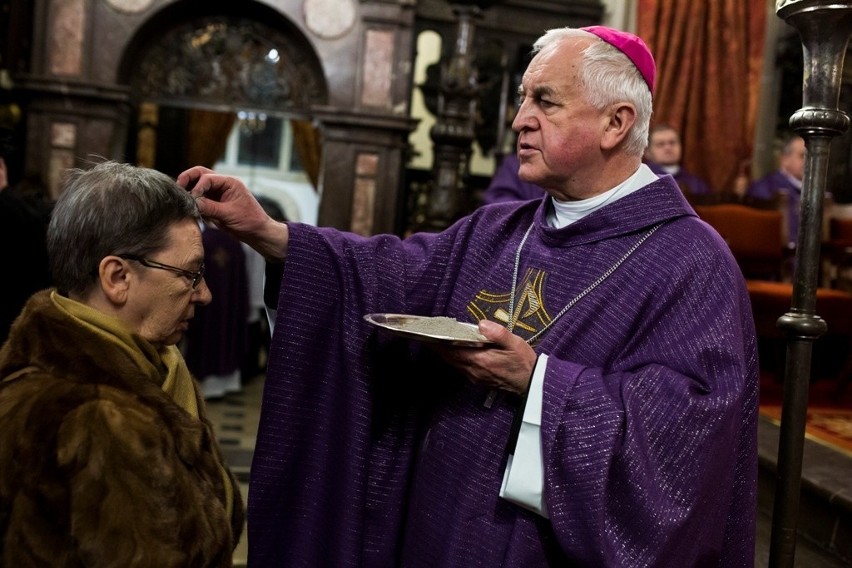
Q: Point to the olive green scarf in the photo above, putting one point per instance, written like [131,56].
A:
[168,361]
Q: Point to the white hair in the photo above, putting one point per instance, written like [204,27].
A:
[608,76]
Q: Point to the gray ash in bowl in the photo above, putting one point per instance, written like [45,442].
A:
[441,325]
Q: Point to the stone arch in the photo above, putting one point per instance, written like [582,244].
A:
[182,64]
[220,57]
[344,79]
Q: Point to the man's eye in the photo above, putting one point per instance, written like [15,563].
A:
[540,102]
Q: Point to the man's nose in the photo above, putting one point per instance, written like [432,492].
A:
[523,119]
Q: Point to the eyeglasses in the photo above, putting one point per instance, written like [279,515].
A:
[194,277]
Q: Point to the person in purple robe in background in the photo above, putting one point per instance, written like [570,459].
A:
[215,345]
[663,156]
[505,185]
[610,420]
[786,180]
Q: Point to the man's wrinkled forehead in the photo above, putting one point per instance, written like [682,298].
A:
[555,66]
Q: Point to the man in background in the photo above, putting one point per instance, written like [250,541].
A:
[785,183]
[663,156]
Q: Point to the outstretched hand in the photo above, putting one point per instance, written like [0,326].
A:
[507,366]
[231,206]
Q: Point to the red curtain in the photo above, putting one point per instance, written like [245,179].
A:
[709,57]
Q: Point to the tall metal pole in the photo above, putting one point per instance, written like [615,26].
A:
[824,27]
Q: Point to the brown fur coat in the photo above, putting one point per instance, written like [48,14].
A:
[98,466]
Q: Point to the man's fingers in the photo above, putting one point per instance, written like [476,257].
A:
[495,332]
[210,185]
[189,178]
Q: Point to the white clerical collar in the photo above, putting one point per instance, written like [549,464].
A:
[563,213]
[797,183]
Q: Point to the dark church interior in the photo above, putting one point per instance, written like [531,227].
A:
[391,116]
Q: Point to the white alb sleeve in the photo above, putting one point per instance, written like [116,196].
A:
[523,480]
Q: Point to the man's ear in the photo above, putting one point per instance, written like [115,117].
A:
[622,116]
[115,279]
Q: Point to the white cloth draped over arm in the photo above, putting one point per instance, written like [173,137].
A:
[523,480]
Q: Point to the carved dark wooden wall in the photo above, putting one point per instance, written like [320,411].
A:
[504,36]
[90,65]
[80,67]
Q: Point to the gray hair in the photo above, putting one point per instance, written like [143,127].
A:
[787,141]
[112,208]
[608,77]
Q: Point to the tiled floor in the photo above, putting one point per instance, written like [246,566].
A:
[235,418]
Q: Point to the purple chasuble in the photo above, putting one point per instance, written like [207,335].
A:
[769,187]
[373,453]
[690,183]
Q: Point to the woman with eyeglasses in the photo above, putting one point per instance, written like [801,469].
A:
[106,455]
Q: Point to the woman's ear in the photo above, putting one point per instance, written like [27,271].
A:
[114,278]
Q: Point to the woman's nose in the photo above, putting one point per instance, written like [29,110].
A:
[203,295]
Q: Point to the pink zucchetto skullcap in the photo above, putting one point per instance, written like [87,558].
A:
[632,46]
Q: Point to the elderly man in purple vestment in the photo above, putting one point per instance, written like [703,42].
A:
[663,156]
[611,419]
[787,181]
